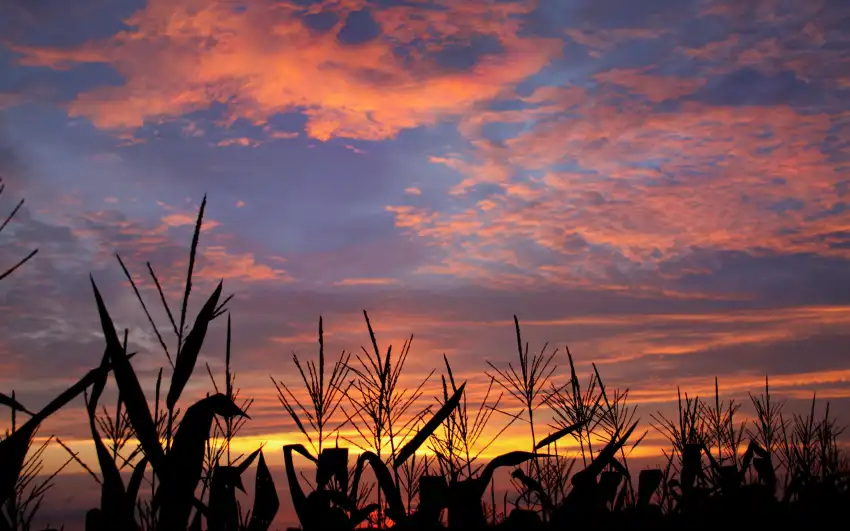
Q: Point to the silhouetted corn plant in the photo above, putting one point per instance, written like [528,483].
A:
[687,435]
[576,411]
[812,458]
[14,447]
[528,386]
[180,466]
[333,504]
[456,444]
[218,446]
[768,422]
[381,410]
[325,396]
[613,420]
[725,434]
[19,510]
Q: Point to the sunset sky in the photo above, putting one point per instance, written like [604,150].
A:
[661,185]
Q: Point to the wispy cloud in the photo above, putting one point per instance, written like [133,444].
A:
[366,282]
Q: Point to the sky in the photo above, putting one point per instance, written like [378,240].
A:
[659,185]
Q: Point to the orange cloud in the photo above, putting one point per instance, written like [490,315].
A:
[179,57]
[655,88]
[184,220]
[219,264]
[241,141]
[281,135]
[647,186]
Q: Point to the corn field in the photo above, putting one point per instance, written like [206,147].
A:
[414,467]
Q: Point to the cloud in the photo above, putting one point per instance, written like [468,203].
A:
[242,141]
[366,282]
[654,87]
[187,220]
[220,264]
[179,58]
[613,185]
[283,135]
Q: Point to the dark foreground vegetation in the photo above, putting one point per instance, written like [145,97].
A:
[776,470]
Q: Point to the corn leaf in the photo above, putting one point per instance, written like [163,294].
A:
[429,427]
[266,502]
[559,434]
[13,404]
[604,457]
[395,507]
[299,500]
[131,391]
[175,495]
[112,493]
[188,355]
[13,449]
[648,483]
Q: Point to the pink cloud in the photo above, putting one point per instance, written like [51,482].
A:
[366,281]
[170,73]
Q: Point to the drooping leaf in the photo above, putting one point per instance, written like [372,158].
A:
[112,493]
[13,449]
[648,483]
[185,461]
[188,355]
[428,429]
[333,463]
[395,507]
[130,389]
[559,434]
[514,458]
[299,500]
[532,485]
[266,502]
